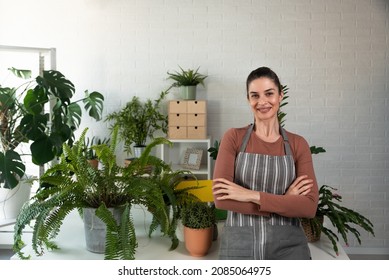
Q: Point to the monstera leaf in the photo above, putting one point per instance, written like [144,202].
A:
[40,111]
[11,169]
[55,83]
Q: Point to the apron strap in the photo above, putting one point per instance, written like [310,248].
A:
[288,150]
[246,138]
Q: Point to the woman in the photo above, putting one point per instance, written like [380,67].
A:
[264,176]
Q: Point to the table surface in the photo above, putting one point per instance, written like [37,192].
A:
[71,241]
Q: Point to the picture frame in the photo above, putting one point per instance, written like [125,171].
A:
[192,158]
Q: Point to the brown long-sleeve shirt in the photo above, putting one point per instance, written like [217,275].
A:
[302,206]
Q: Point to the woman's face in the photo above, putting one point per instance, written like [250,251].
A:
[264,98]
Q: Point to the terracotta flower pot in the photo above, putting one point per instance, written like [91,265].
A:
[198,241]
[94,163]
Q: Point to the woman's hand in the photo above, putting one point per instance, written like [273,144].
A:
[302,185]
[224,189]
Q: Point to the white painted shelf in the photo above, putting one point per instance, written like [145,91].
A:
[175,155]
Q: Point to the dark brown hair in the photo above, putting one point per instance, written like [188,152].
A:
[263,72]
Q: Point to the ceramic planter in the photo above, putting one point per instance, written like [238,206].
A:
[138,150]
[198,241]
[11,201]
[188,92]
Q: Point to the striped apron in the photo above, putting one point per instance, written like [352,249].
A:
[263,237]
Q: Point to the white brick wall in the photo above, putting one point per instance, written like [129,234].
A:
[333,55]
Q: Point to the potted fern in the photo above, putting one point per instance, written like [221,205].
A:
[24,119]
[74,185]
[199,220]
[187,81]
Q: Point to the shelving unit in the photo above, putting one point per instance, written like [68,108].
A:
[175,155]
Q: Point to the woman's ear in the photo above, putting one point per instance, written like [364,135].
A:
[281,96]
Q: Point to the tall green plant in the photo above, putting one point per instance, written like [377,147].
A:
[281,114]
[24,118]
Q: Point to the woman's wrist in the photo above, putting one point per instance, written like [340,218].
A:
[256,197]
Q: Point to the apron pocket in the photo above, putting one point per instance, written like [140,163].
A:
[286,243]
[236,243]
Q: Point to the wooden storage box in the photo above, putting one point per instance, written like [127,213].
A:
[196,132]
[177,132]
[178,119]
[196,120]
[197,106]
[187,119]
[177,106]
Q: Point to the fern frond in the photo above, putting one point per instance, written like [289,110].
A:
[120,237]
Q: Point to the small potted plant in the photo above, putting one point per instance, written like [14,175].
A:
[90,153]
[198,219]
[187,81]
[343,219]
[138,121]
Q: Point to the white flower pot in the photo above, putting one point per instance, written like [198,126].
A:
[11,201]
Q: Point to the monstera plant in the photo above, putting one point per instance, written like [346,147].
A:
[39,112]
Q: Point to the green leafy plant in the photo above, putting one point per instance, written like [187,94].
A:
[342,218]
[175,199]
[89,143]
[74,184]
[24,118]
[198,215]
[213,151]
[188,77]
[139,120]
[280,114]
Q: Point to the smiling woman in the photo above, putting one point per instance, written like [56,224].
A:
[264,177]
